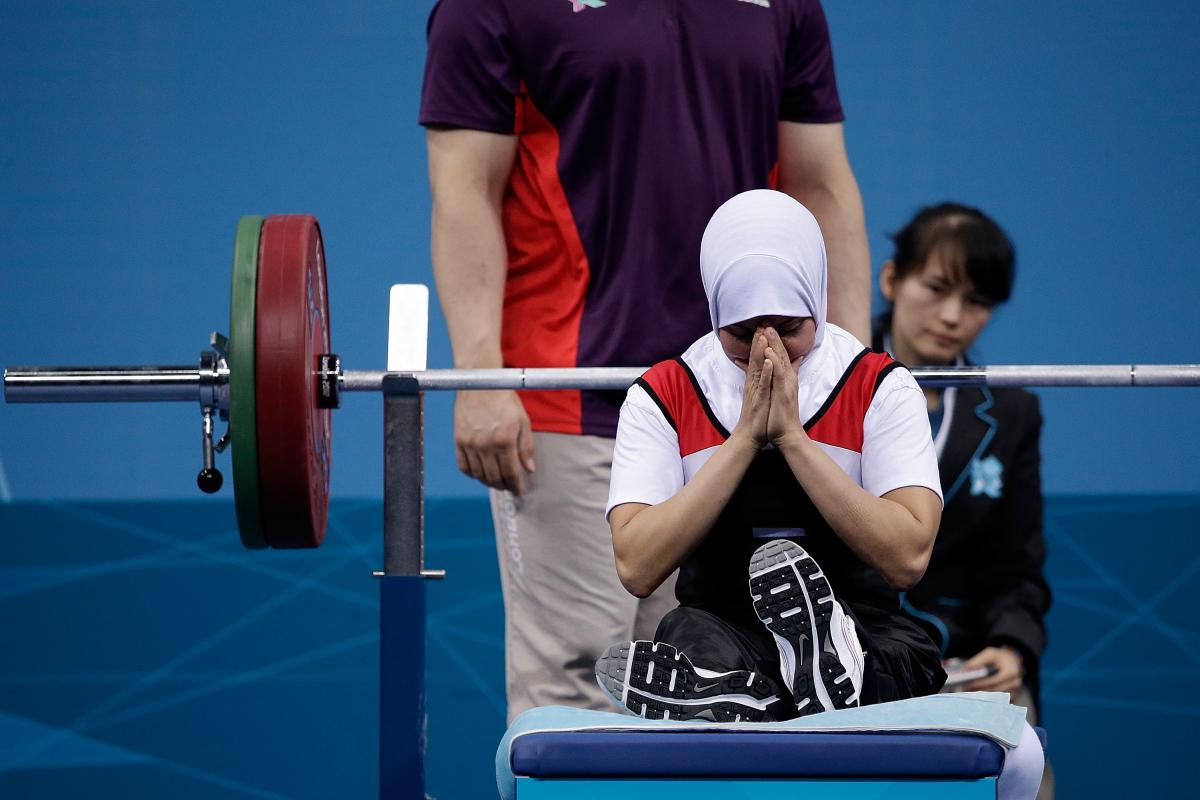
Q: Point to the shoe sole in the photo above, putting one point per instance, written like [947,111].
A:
[656,681]
[793,600]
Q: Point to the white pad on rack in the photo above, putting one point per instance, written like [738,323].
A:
[408,328]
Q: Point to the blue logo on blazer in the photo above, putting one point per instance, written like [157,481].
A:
[987,476]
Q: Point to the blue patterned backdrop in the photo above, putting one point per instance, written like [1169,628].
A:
[144,653]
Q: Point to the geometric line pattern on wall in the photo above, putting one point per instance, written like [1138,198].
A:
[142,637]
[1121,674]
[69,750]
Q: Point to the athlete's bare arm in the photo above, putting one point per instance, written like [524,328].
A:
[649,542]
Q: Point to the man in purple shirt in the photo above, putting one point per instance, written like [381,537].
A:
[576,150]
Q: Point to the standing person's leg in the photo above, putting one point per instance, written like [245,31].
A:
[563,602]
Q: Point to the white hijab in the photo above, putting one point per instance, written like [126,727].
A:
[762,253]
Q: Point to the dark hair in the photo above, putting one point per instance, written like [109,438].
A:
[973,242]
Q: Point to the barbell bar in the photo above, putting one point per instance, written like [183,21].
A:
[275,380]
[183,383]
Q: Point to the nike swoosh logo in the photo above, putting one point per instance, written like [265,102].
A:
[706,688]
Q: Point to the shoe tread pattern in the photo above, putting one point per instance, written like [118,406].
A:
[651,698]
[784,559]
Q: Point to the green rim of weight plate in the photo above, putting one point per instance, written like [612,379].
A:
[242,426]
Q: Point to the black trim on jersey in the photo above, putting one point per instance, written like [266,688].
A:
[815,418]
[658,402]
[883,373]
[716,423]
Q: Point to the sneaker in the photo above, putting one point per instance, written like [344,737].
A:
[656,681]
[819,654]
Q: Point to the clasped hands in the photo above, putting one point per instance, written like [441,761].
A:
[770,414]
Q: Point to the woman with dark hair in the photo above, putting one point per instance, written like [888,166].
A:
[984,596]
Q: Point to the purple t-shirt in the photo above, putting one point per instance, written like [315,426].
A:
[635,120]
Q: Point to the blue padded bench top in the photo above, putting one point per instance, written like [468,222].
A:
[562,754]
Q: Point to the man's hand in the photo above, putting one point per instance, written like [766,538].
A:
[493,439]
[1010,669]
[783,421]
[756,395]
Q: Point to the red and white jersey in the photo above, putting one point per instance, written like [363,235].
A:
[863,409]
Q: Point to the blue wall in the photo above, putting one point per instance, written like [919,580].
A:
[132,136]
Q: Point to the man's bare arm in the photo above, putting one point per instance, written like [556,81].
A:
[814,169]
[468,173]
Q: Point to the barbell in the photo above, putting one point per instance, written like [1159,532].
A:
[275,380]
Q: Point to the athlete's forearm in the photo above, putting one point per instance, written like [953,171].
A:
[888,535]
[651,543]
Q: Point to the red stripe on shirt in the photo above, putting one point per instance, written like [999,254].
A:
[842,423]
[839,425]
[547,271]
[672,388]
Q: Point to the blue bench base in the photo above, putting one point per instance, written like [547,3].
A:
[753,789]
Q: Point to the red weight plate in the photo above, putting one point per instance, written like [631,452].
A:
[294,444]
